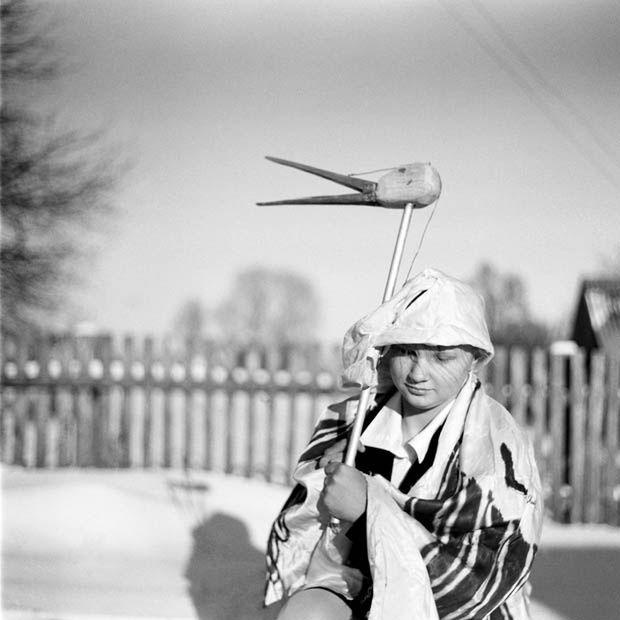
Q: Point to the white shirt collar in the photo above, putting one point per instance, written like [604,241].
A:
[386,430]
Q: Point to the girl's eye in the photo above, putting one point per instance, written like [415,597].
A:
[405,350]
[444,356]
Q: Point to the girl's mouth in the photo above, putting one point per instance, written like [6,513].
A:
[416,390]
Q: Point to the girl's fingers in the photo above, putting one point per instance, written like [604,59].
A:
[332,467]
[327,458]
[333,453]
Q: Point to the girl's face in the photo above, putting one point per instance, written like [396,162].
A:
[428,376]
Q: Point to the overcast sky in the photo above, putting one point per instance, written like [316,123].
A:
[515,104]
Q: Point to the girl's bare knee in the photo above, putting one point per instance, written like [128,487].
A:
[315,604]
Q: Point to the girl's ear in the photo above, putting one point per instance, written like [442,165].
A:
[477,357]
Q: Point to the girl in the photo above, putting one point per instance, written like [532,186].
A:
[441,516]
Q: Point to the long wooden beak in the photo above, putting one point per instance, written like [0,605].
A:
[367,195]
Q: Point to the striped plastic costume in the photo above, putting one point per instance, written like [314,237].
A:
[457,538]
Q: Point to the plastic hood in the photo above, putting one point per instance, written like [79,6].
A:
[431,308]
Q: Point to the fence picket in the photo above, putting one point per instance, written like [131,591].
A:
[188,404]
[168,428]
[272,364]
[42,419]
[612,430]
[208,460]
[229,428]
[126,427]
[498,369]
[538,405]
[8,397]
[19,427]
[74,426]
[147,394]
[84,403]
[577,433]
[66,435]
[21,405]
[102,352]
[594,426]
[53,430]
[518,384]
[7,427]
[252,365]
[557,423]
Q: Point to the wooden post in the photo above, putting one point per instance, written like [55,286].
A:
[210,356]
[101,402]
[188,403]
[293,417]
[499,365]
[578,395]
[126,426]
[19,445]
[84,403]
[8,401]
[8,398]
[539,412]
[272,390]
[229,416]
[21,402]
[251,365]
[66,419]
[518,383]
[97,413]
[53,394]
[594,425]
[41,351]
[167,401]
[612,429]
[30,436]
[147,424]
[75,423]
[557,423]
[114,382]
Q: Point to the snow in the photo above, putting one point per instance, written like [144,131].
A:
[78,520]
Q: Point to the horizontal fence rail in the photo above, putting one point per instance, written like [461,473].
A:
[70,401]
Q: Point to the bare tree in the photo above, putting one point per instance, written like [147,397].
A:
[507,308]
[28,50]
[190,321]
[269,306]
[56,185]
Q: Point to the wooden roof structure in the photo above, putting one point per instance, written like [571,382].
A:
[597,320]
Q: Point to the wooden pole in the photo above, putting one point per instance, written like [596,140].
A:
[390,285]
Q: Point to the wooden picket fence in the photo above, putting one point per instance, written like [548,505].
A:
[70,401]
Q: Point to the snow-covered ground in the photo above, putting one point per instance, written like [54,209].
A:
[88,543]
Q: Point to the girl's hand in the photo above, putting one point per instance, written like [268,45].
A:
[344,492]
[336,452]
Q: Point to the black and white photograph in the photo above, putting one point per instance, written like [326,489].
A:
[310,311]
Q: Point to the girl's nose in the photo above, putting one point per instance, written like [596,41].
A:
[417,369]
